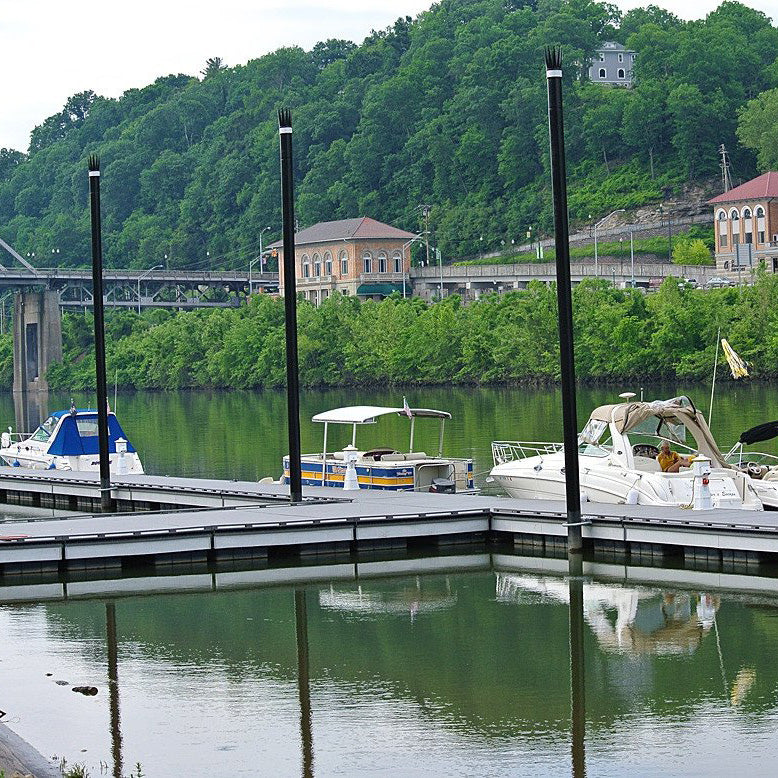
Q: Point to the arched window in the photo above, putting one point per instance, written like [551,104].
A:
[722,230]
[397,259]
[621,73]
[367,262]
[327,263]
[602,72]
[748,226]
[316,265]
[343,263]
[381,261]
[760,231]
[306,266]
[735,219]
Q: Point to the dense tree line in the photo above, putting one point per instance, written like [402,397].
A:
[447,109]
[619,334]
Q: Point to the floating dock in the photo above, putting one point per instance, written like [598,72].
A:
[163,520]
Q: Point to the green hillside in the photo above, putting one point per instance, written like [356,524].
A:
[448,109]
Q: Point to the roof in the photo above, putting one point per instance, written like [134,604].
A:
[367,414]
[678,410]
[758,188]
[611,46]
[363,228]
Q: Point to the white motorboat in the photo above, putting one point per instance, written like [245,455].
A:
[68,440]
[617,462]
[384,467]
[761,468]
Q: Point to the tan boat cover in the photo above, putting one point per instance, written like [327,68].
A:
[678,410]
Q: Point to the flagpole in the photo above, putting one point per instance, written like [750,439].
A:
[713,384]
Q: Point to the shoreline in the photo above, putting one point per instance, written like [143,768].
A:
[19,758]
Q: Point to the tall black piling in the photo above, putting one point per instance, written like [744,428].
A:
[97,292]
[564,295]
[290,305]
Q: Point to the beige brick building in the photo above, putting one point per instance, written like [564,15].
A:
[361,257]
[746,227]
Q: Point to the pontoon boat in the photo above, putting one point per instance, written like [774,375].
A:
[384,467]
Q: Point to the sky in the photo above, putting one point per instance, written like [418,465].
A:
[52,49]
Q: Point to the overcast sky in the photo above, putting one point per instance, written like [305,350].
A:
[52,49]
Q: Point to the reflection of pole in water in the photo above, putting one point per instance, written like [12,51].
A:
[113,688]
[577,677]
[303,681]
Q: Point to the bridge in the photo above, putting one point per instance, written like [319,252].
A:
[471,281]
[136,289]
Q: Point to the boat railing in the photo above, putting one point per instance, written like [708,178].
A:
[737,456]
[510,450]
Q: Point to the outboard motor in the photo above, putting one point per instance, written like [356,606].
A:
[350,480]
[443,486]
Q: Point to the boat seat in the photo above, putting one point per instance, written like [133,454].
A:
[393,457]
[647,465]
[416,455]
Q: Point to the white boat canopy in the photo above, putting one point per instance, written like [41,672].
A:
[368,414]
[676,411]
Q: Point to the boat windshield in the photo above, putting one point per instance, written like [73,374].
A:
[591,450]
[43,433]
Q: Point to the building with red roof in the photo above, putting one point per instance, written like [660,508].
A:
[746,226]
[361,257]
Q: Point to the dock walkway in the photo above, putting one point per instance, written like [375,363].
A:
[203,519]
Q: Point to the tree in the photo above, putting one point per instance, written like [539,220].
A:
[213,66]
[758,128]
[691,252]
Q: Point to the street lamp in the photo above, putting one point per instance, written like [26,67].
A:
[251,265]
[145,275]
[402,253]
[265,229]
[604,219]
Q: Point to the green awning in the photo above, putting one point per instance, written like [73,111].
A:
[384,290]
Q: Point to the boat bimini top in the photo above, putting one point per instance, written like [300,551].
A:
[661,418]
[369,414]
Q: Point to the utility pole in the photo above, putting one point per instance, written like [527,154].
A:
[726,178]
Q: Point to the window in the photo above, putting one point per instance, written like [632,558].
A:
[602,72]
[316,265]
[327,263]
[621,58]
[748,226]
[760,231]
[722,222]
[367,262]
[602,56]
[306,266]
[621,73]
[397,259]
[343,263]
[735,218]
[382,262]
[633,56]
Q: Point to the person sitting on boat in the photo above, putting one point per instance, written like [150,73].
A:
[671,461]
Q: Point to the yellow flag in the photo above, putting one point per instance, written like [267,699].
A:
[738,366]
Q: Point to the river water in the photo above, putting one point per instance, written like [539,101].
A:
[441,665]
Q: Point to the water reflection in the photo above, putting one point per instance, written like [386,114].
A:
[303,681]
[625,619]
[113,687]
[496,671]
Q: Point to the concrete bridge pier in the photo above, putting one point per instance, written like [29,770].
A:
[37,338]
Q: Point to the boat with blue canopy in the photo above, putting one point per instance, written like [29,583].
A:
[68,440]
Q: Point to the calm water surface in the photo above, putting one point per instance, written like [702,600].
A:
[447,666]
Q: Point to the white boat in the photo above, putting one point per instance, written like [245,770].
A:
[617,453]
[68,440]
[761,468]
[384,467]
